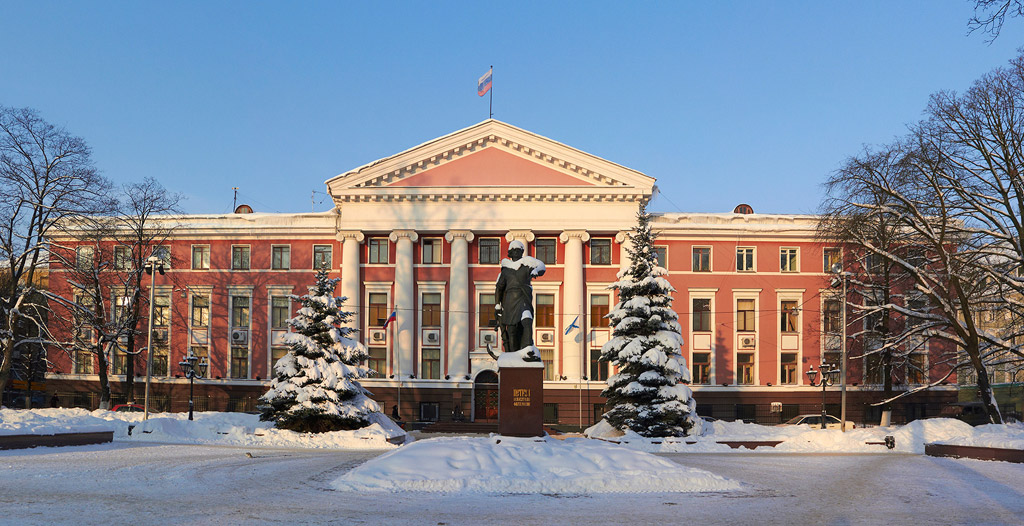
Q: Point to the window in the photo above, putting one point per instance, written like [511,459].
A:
[276,354]
[118,364]
[545,315]
[661,253]
[429,411]
[830,322]
[745,259]
[745,368]
[485,316]
[701,315]
[548,357]
[873,263]
[122,258]
[378,309]
[163,253]
[200,257]
[321,256]
[490,251]
[239,257]
[240,311]
[600,251]
[281,257]
[702,259]
[550,412]
[85,258]
[598,310]
[161,310]
[873,371]
[431,365]
[829,257]
[745,316]
[160,361]
[916,369]
[83,362]
[545,248]
[201,352]
[789,316]
[239,362]
[200,311]
[279,312]
[378,360]
[788,373]
[431,251]
[378,251]
[431,314]
[598,369]
[701,368]
[787,260]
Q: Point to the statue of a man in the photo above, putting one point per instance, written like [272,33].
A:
[514,294]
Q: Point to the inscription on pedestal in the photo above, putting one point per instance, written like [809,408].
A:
[521,401]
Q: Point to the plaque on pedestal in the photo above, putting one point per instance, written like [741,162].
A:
[520,396]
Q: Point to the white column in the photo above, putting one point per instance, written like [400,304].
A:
[458,304]
[525,236]
[350,266]
[405,300]
[625,244]
[574,304]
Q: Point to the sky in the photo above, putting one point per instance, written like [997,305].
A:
[722,102]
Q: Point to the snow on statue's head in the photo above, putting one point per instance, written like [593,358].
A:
[516,249]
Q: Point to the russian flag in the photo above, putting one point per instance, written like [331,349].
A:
[484,84]
[391,318]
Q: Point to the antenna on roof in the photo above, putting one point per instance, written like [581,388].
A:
[234,202]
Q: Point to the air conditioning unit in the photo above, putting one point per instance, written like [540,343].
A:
[488,338]
[748,342]
[239,336]
[160,335]
[378,336]
[546,337]
[431,336]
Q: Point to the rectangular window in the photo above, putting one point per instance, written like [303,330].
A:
[431,365]
[276,353]
[378,361]
[788,372]
[701,259]
[280,311]
[163,253]
[431,251]
[239,257]
[200,311]
[789,315]
[701,368]
[201,257]
[600,251]
[122,258]
[661,253]
[916,369]
[545,315]
[829,257]
[787,260]
[598,369]
[431,314]
[240,312]
[378,309]
[118,364]
[701,315]
[545,248]
[161,310]
[281,257]
[85,258]
[745,368]
[550,413]
[321,257]
[485,316]
[873,263]
[83,362]
[160,362]
[873,371]
[744,259]
[490,251]
[239,362]
[830,322]
[598,310]
[201,352]
[745,316]
[378,251]
[548,357]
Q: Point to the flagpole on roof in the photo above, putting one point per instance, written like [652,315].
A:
[490,102]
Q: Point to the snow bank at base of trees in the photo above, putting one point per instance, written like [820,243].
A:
[526,465]
[213,428]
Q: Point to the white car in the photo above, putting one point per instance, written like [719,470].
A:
[814,421]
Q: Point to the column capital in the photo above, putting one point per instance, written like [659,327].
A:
[350,234]
[582,235]
[411,235]
[520,234]
[622,236]
[452,235]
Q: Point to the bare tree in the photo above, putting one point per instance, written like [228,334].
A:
[46,176]
[989,16]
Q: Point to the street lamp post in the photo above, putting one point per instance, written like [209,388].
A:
[829,373]
[837,269]
[192,370]
[153,265]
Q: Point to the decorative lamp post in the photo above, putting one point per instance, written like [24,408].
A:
[153,265]
[829,375]
[843,279]
[192,370]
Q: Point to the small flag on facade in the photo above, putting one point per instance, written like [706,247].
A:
[572,326]
[484,84]
[394,314]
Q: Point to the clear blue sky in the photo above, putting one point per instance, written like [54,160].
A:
[722,102]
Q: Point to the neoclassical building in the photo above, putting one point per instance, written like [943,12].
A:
[421,234]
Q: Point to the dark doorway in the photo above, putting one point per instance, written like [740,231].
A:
[485,397]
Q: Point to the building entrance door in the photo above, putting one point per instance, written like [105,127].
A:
[485,397]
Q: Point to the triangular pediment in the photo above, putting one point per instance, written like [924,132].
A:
[488,158]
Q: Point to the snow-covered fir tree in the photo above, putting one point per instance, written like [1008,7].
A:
[649,395]
[315,387]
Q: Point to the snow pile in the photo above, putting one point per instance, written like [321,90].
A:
[1006,436]
[53,421]
[526,465]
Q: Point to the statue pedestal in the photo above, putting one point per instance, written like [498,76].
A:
[520,396]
